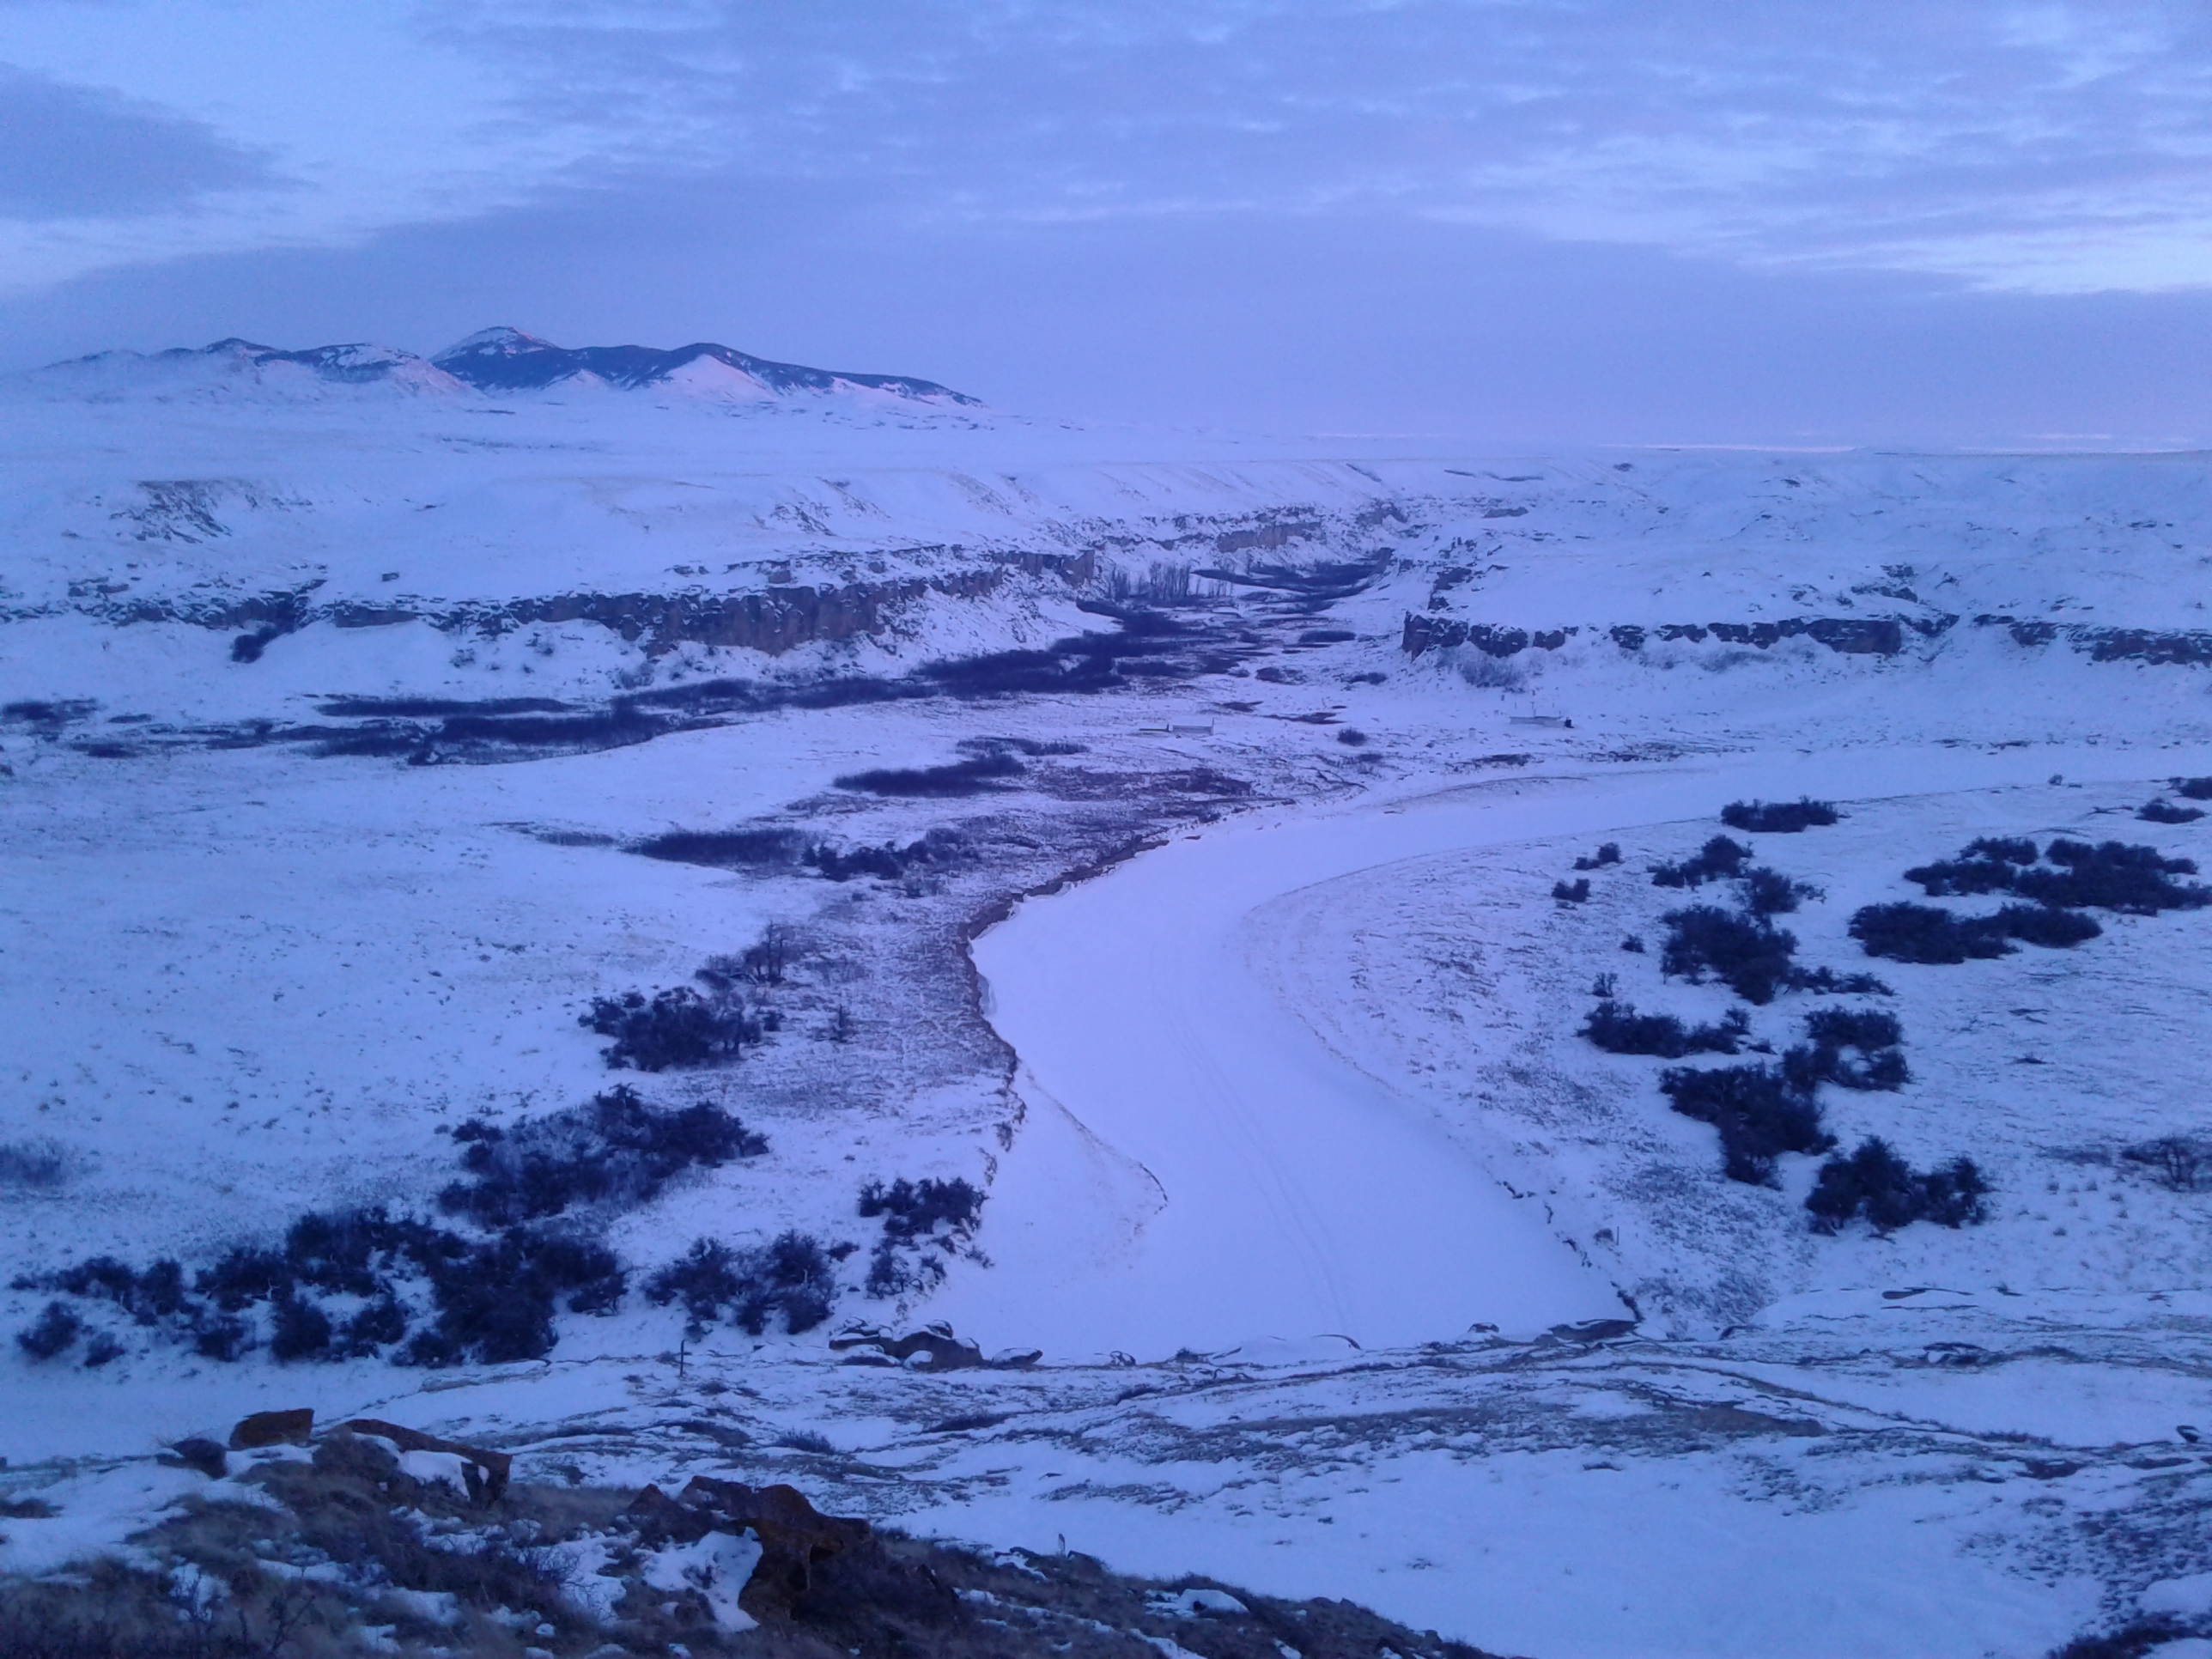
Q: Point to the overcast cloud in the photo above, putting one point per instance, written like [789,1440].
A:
[1958,221]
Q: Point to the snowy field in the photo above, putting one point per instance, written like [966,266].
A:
[1230,973]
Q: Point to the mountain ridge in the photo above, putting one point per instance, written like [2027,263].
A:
[498,361]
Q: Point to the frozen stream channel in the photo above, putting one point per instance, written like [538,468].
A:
[1200,1170]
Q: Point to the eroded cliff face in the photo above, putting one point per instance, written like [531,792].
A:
[1879,636]
[772,620]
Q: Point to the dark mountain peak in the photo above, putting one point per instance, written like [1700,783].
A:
[509,359]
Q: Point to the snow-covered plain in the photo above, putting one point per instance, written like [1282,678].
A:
[1299,1171]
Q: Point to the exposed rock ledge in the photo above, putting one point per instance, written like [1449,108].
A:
[1880,637]
[1853,635]
[773,620]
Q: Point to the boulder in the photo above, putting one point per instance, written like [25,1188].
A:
[933,1348]
[207,1456]
[485,1471]
[794,1537]
[292,1428]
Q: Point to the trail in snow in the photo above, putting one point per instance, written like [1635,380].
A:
[1200,1170]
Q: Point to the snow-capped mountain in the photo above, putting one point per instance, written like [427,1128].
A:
[499,362]
[502,360]
[235,368]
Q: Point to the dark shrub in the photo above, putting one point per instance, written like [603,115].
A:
[1874,1181]
[1922,932]
[2177,1158]
[1718,858]
[101,1349]
[244,1275]
[2113,876]
[37,1164]
[1760,1112]
[1829,983]
[2040,924]
[1633,945]
[1749,954]
[224,1337]
[1770,893]
[913,1209]
[791,1276]
[495,1301]
[678,1028]
[1953,878]
[615,1150]
[51,1333]
[1879,1068]
[727,849]
[302,1331]
[158,1293]
[2191,788]
[1779,818]
[2165,811]
[1571,892]
[1864,1028]
[2015,849]
[379,1325]
[1618,1029]
[940,846]
[967,777]
[892,1274]
[766,962]
[349,1252]
[1608,853]
[1352,737]
[1031,746]
[2137,1640]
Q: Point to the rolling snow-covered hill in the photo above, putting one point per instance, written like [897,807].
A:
[1153,837]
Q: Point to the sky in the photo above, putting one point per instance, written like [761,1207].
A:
[1763,222]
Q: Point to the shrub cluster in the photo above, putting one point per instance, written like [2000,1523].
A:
[357,1283]
[940,848]
[350,1283]
[2178,1159]
[2191,788]
[1876,1056]
[1747,953]
[2108,876]
[615,1150]
[1618,1029]
[1608,853]
[767,962]
[1874,1182]
[1571,892]
[725,848]
[51,1333]
[678,1027]
[1719,859]
[33,1165]
[2165,811]
[791,1276]
[912,1212]
[2111,876]
[1928,933]
[1779,818]
[1768,892]
[1968,875]
[1761,1111]
[967,777]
